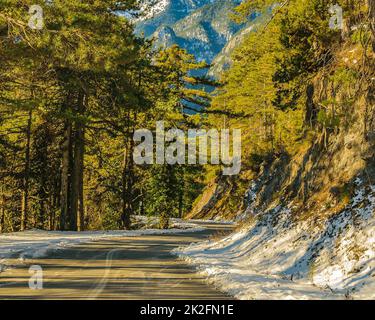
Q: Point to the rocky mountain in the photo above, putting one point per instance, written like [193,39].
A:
[202,27]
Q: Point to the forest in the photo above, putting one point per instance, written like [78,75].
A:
[72,96]
[73,92]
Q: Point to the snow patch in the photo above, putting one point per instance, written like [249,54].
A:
[152,8]
[277,258]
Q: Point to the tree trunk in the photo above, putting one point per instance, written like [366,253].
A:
[142,203]
[26,175]
[80,162]
[128,179]
[43,179]
[51,210]
[127,187]
[76,179]
[66,176]
[180,204]
[311,112]
[371,13]
[42,213]
[55,204]
[77,205]
[2,210]
[81,204]
[181,195]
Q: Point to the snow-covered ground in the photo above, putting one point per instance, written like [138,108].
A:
[36,243]
[276,258]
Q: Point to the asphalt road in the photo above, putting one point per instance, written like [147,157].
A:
[120,268]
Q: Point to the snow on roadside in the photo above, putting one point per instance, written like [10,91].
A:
[151,222]
[36,243]
[276,258]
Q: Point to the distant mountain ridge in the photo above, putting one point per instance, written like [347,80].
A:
[202,27]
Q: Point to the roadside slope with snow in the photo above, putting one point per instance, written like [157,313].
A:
[276,257]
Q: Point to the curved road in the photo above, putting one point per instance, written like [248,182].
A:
[120,268]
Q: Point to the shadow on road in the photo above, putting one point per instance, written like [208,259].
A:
[123,268]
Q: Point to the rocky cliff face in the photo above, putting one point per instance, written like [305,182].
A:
[202,27]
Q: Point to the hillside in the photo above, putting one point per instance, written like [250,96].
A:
[308,224]
[306,208]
